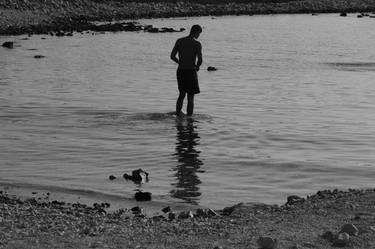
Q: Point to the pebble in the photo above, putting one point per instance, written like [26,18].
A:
[211,69]
[267,242]
[342,239]
[112,177]
[328,236]
[186,215]
[171,216]
[349,229]
[166,209]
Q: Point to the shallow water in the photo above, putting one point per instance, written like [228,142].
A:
[290,111]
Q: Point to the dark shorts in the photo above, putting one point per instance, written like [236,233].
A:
[187,80]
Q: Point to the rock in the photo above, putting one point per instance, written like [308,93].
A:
[186,215]
[166,209]
[294,199]
[360,16]
[206,212]
[328,236]
[343,14]
[136,209]
[342,239]
[267,243]
[8,44]
[142,196]
[211,69]
[38,56]
[153,30]
[171,216]
[349,229]
[138,176]
[112,177]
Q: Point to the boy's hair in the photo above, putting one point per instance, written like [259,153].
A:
[196,29]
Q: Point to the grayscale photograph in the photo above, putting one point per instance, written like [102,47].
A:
[187,124]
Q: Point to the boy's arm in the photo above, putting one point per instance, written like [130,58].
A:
[199,56]
[174,54]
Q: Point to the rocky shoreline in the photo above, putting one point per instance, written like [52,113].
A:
[65,16]
[327,219]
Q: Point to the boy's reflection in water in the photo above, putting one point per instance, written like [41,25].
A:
[186,187]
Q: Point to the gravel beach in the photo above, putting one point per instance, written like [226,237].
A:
[327,219]
[42,17]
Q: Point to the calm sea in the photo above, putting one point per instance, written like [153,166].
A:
[291,110]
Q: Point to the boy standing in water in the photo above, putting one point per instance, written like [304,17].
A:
[189,60]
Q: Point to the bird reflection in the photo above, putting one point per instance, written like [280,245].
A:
[186,187]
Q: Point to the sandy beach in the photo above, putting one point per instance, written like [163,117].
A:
[313,222]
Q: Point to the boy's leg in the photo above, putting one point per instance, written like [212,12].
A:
[180,102]
[190,104]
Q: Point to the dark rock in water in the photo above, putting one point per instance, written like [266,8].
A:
[360,16]
[294,199]
[166,209]
[112,177]
[136,209]
[138,176]
[8,44]
[343,14]
[142,196]
[182,29]
[38,56]
[211,69]
[127,177]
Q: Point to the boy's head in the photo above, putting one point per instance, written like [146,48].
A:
[195,30]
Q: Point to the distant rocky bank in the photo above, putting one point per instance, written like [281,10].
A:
[42,17]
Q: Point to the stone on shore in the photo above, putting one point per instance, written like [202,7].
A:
[294,199]
[349,229]
[186,215]
[342,240]
[204,213]
[8,44]
[267,242]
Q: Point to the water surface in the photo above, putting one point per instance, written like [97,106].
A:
[290,111]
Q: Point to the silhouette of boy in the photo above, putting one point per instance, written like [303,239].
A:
[189,60]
